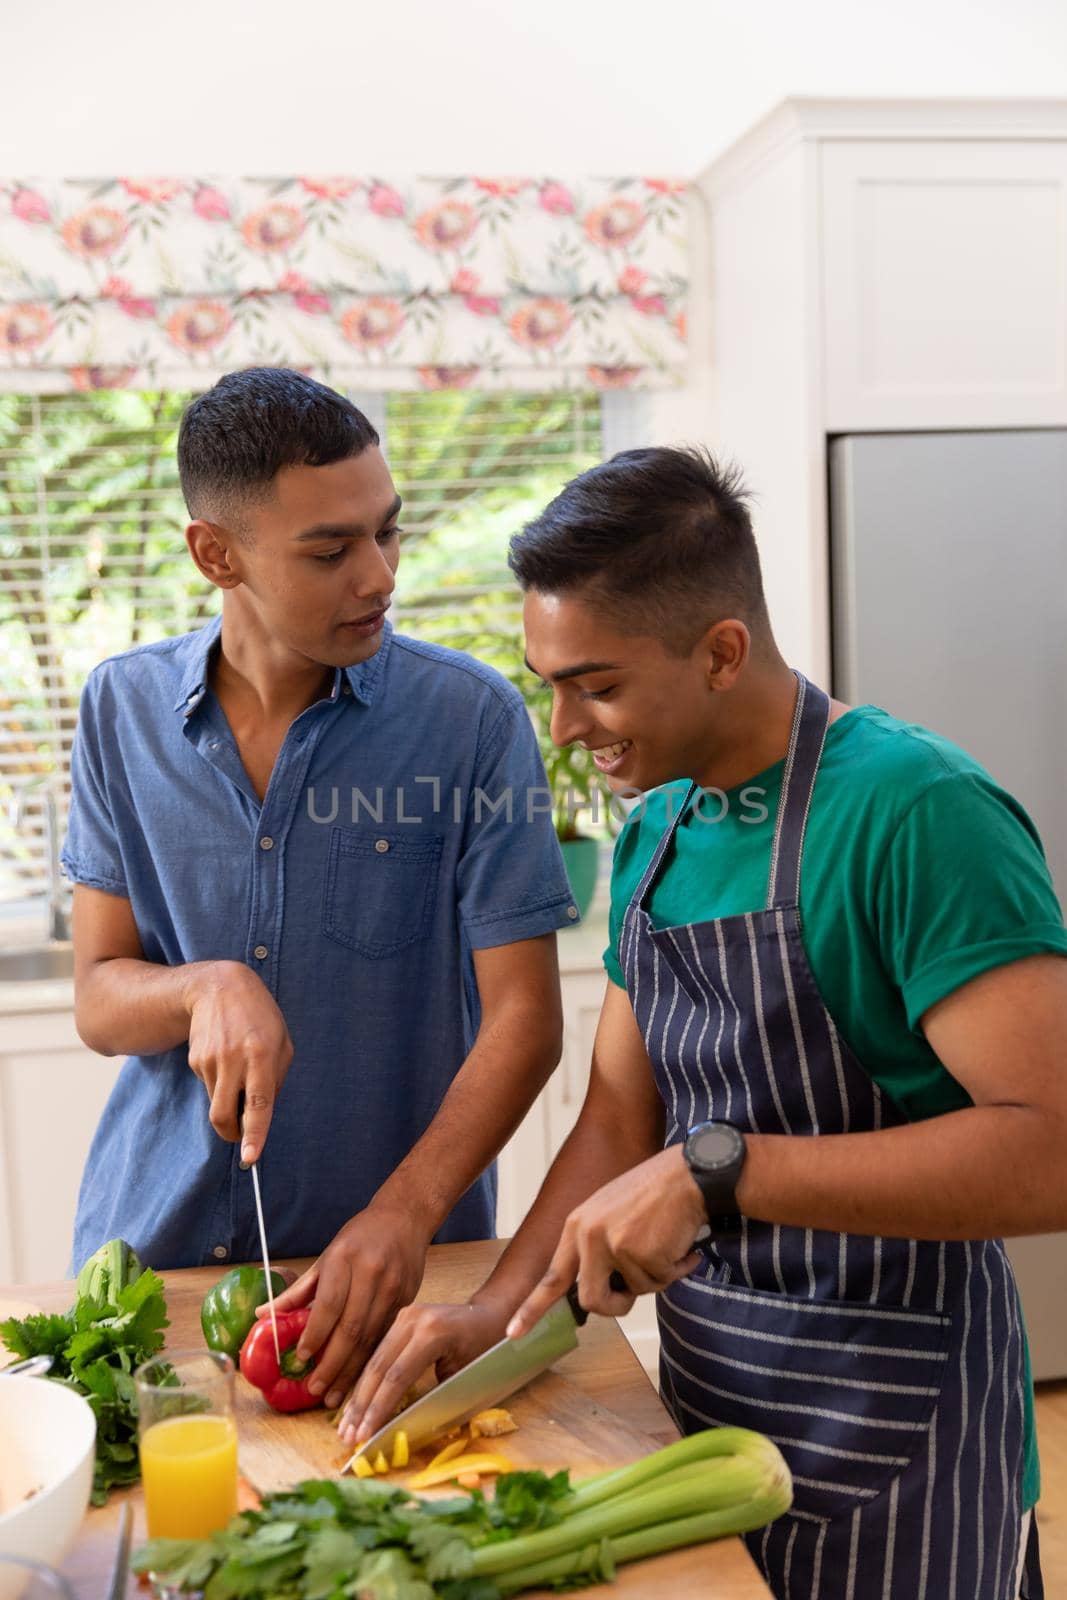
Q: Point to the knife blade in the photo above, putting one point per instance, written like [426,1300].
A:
[488,1379]
[253,1167]
[119,1585]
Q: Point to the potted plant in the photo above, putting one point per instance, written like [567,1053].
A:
[580,801]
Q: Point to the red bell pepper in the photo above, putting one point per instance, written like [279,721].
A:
[283,1383]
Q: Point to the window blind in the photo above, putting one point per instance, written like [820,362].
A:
[92,558]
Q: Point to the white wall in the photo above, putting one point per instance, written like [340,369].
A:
[502,86]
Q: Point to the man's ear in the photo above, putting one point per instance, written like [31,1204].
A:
[213,549]
[724,650]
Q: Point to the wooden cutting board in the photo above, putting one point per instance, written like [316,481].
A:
[559,1425]
[595,1409]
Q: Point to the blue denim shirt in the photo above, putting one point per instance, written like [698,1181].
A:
[406,825]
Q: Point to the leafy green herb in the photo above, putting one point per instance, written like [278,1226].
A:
[116,1322]
[330,1538]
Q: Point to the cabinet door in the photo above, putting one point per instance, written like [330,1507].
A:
[944,283]
[52,1092]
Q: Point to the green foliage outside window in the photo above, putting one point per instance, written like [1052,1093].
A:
[93,561]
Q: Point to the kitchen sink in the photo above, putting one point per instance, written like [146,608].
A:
[36,963]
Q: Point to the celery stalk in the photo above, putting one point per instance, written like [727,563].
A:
[700,1481]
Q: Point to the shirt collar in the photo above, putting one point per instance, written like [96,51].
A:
[362,679]
[197,650]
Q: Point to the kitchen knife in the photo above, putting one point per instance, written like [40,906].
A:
[254,1169]
[488,1379]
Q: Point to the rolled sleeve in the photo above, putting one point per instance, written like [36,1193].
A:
[91,853]
[511,880]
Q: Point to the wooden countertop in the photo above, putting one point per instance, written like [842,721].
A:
[596,1409]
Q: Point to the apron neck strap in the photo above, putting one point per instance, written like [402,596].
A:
[807,737]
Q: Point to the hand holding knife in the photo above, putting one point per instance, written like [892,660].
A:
[253,1167]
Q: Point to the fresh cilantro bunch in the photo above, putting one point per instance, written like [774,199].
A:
[111,1328]
[334,1537]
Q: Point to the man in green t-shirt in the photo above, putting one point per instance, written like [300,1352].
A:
[819,1098]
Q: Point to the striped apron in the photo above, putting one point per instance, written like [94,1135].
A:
[889,1372]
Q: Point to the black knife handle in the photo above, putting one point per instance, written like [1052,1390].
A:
[581,1316]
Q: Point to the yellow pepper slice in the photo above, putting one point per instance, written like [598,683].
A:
[454,1449]
[476,1462]
[362,1467]
[400,1449]
[380,1464]
[491,1424]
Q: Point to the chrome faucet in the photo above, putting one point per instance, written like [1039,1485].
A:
[58,916]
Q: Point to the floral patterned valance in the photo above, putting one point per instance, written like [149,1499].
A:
[168,282]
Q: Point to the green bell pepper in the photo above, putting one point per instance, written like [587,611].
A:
[229,1307]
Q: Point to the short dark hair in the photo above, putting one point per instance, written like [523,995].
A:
[659,540]
[236,437]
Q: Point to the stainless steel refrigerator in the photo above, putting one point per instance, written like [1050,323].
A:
[949,564]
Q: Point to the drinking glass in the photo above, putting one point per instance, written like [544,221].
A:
[188,1443]
[23,1579]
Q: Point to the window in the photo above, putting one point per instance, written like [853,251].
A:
[92,559]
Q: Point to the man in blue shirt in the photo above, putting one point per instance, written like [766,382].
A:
[314,864]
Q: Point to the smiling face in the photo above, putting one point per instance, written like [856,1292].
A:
[649,717]
[314,565]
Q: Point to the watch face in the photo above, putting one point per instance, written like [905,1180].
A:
[714,1146]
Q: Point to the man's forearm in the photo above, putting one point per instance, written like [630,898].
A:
[595,1152]
[511,1060]
[130,1007]
[981,1173]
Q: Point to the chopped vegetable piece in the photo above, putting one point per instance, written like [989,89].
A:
[469,1480]
[380,1464]
[459,1464]
[456,1448]
[400,1449]
[493,1424]
[362,1467]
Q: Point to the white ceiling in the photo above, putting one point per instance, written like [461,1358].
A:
[503,86]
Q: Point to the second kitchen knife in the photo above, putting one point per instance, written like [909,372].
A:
[488,1379]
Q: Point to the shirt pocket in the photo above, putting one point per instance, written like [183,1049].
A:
[380,891]
[845,1389]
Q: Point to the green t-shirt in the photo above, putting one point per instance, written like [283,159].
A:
[918,874]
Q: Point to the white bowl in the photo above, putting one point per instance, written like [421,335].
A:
[47,1443]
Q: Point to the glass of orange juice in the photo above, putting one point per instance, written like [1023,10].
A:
[188,1443]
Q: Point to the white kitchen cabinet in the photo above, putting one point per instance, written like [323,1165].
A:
[52,1092]
[878,265]
[944,277]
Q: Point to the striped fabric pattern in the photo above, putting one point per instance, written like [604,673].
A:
[890,1372]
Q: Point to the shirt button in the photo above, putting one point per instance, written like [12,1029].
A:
[347,689]
[266,844]
[213,745]
[220,1252]
[572,912]
[381,845]
[261,952]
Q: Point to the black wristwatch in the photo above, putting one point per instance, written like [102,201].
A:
[715,1154]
